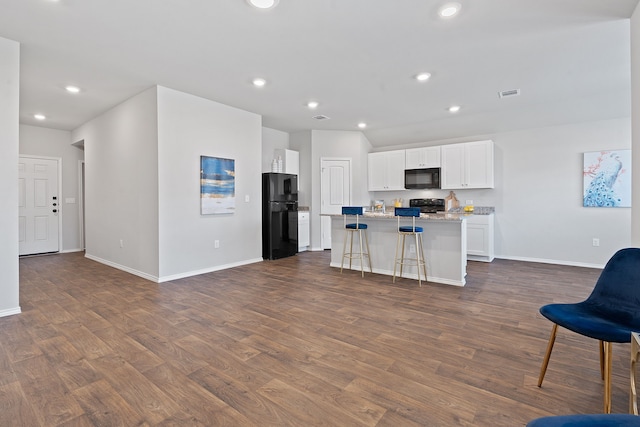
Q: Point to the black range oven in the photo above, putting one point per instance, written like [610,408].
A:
[427,205]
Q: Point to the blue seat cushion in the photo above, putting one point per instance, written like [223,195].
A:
[354,226]
[601,420]
[586,319]
[409,229]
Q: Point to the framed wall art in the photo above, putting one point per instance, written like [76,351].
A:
[607,179]
[217,185]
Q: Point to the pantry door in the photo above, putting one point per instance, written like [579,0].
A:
[336,193]
[38,205]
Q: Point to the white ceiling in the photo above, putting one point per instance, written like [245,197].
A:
[569,58]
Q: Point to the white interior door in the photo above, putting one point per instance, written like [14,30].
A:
[335,193]
[38,205]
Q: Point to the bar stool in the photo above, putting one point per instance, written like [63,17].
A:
[409,230]
[350,230]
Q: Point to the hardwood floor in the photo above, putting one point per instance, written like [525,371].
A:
[293,342]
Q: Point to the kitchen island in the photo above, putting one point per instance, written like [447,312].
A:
[445,245]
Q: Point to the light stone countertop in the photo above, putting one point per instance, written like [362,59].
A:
[431,217]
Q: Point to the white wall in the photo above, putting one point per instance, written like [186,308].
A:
[272,140]
[38,141]
[338,144]
[190,127]
[9,107]
[301,142]
[121,185]
[538,194]
[635,120]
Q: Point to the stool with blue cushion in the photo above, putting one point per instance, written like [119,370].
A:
[350,230]
[409,230]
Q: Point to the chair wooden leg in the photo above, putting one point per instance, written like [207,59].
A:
[545,363]
[601,345]
[608,353]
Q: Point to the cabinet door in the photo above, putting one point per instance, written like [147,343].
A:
[477,239]
[413,158]
[395,170]
[479,164]
[453,166]
[424,157]
[377,171]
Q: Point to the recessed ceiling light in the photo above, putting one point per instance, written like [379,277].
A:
[259,82]
[454,108]
[263,4]
[362,125]
[449,10]
[72,89]
[423,77]
[39,116]
[313,104]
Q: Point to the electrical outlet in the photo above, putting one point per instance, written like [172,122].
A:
[216,244]
[412,249]
[468,202]
[121,243]
[596,241]
[246,198]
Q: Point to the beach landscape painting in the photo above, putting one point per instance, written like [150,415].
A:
[607,179]
[217,185]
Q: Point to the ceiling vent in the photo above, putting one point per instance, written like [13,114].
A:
[509,93]
[320,117]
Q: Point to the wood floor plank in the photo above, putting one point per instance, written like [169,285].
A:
[293,342]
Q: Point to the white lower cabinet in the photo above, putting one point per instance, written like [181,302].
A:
[480,238]
[303,231]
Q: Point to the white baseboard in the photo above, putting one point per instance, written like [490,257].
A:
[208,270]
[551,261]
[66,251]
[10,311]
[123,268]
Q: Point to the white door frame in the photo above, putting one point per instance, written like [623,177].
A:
[59,191]
[81,171]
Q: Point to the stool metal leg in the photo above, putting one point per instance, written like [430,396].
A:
[351,251]
[395,259]
[361,255]
[366,239]
[418,260]
[402,258]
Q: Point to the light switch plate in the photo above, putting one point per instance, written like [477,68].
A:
[70,200]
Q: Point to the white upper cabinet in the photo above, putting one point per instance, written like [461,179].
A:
[468,165]
[424,157]
[386,170]
[290,161]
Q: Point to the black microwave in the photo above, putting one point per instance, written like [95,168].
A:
[421,178]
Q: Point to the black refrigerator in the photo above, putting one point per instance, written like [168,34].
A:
[279,215]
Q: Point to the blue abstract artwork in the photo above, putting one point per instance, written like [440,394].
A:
[217,185]
[607,179]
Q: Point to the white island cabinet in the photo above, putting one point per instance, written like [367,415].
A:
[445,246]
[386,170]
[467,165]
[480,238]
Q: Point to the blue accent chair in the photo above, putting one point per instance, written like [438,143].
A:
[609,314]
[597,420]
[351,229]
[409,230]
